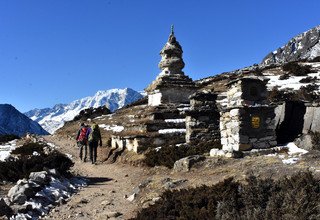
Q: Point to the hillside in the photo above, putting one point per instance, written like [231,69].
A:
[14,122]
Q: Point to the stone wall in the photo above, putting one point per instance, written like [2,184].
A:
[202,121]
[248,128]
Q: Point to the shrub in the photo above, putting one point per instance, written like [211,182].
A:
[167,155]
[296,197]
[29,148]
[284,76]
[13,170]
[293,68]
[91,113]
[315,140]
[276,95]
[7,138]
[309,79]
[308,93]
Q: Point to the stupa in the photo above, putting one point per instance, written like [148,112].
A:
[171,85]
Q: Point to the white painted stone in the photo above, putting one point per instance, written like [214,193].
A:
[154,99]
[234,112]
[224,141]
[214,152]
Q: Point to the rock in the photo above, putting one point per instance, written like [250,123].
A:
[303,46]
[112,214]
[304,142]
[84,201]
[132,197]
[184,164]
[106,202]
[40,178]
[21,192]
[5,210]
[171,184]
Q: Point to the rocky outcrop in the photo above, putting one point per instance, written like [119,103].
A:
[184,164]
[305,46]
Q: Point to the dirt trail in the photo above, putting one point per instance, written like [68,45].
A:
[110,183]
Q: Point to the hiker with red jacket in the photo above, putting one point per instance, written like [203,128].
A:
[94,140]
[82,140]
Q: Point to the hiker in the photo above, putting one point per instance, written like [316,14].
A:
[82,140]
[94,140]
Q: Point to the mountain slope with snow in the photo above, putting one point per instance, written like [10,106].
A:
[305,46]
[54,118]
[14,122]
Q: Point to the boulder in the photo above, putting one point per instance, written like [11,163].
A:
[40,178]
[304,142]
[17,193]
[5,210]
[184,164]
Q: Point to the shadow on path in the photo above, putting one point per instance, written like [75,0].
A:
[97,180]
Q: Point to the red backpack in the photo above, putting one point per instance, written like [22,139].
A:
[83,135]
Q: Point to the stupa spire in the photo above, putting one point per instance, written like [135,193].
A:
[171,56]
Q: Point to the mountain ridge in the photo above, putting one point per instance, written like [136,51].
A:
[14,122]
[304,46]
[53,118]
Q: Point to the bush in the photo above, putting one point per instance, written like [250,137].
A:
[308,93]
[29,148]
[14,170]
[284,76]
[309,79]
[293,68]
[92,113]
[276,95]
[167,155]
[315,140]
[8,137]
[297,197]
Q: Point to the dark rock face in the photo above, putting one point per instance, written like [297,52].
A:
[305,46]
[14,122]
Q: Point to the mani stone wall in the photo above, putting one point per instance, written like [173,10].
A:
[247,121]
[202,121]
[248,128]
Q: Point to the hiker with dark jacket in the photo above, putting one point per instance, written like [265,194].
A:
[94,140]
[82,140]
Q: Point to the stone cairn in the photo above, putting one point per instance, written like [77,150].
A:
[202,121]
[171,85]
[247,121]
[162,121]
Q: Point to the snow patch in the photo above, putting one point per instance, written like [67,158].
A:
[114,128]
[6,149]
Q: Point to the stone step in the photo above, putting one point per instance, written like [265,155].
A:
[166,124]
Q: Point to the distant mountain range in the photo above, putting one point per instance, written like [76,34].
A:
[305,46]
[14,122]
[54,118]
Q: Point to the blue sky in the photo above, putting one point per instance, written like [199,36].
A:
[56,51]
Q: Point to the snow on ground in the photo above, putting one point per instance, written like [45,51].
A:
[294,154]
[57,190]
[291,83]
[114,128]
[5,149]
[172,130]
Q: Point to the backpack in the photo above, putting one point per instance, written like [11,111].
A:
[95,134]
[83,135]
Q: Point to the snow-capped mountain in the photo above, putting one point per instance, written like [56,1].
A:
[14,122]
[52,119]
[305,46]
